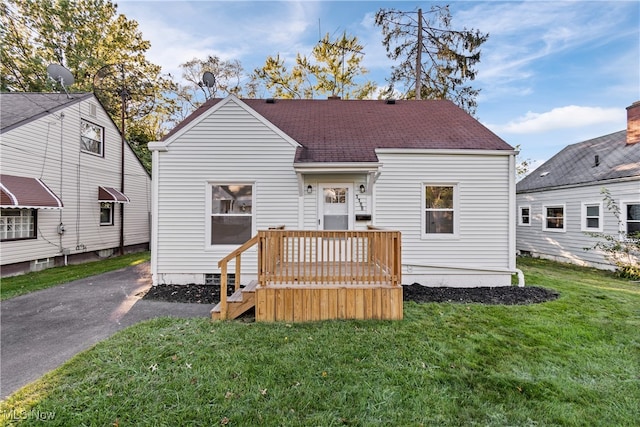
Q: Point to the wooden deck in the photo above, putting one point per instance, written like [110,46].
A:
[318,275]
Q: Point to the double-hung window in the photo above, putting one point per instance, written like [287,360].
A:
[524,218]
[17,224]
[231,215]
[631,218]
[592,217]
[440,210]
[91,138]
[554,218]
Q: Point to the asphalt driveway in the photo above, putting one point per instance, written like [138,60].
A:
[42,330]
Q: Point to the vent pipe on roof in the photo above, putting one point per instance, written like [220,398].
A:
[633,123]
[596,161]
[270,101]
[333,97]
[390,101]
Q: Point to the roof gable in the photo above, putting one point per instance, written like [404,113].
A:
[351,130]
[576,164]
[209,108]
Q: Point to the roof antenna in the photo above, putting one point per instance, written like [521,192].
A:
[60,75]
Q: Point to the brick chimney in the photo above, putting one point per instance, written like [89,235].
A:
[633,123]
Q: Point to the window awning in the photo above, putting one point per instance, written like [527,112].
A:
[27,193]
[111,195]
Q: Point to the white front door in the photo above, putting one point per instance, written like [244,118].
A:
[335,207]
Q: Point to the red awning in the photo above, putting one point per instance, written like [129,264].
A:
[27,193]
[109,194]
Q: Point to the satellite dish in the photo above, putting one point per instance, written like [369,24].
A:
[208,79]
[60,75]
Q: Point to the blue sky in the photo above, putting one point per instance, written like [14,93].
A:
[551,74]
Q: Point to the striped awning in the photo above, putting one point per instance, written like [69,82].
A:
[27,193]
[109,194]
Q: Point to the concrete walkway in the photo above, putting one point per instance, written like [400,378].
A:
[42,330]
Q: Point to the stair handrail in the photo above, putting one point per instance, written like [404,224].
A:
[222,265]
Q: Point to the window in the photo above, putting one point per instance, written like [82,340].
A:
[553,218]
[91,138]
[231,214]
[106,213]
[591,216]
[439,210]
[525,215]
[17,224]
[632,218]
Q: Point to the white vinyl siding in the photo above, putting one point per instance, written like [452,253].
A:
[570,245]
[228,145]
[75,179]
[483,194]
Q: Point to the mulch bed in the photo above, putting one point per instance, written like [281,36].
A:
[506,295]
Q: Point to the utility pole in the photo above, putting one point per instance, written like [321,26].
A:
[419,58]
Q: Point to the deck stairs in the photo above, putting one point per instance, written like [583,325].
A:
[239,302]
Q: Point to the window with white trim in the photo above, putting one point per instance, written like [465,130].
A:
[524,215]
[231,215]
[631,217]
[17,224]
[592,216]
[106,213]
[554,218]
[91,138]
[439,210]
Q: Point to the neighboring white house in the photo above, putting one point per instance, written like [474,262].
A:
[425,168]
[62,183]
[561,201]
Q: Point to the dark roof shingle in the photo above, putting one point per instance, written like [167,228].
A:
[351,130]
[16,108]
[575,164]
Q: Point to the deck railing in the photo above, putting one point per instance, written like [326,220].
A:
[329,257]
[299,257]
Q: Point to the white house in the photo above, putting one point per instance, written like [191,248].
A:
[561,201]
[425,168]
[66,183]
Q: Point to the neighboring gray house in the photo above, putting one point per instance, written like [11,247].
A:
[561,201]
[61,183]
[425,168]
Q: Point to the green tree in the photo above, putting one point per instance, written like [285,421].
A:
[333,69]
[436,61]
[95,43]
[228,75]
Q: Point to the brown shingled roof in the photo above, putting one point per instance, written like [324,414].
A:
[350,130]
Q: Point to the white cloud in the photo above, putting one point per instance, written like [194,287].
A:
[571,116]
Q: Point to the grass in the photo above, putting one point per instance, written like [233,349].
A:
[19,285]
[572,361]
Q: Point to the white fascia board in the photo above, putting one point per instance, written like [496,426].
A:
[460,152]
[352,167]
[158,146]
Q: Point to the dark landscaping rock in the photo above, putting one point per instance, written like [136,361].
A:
[507,295]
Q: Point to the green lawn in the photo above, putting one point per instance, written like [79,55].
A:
[18,285]
[572,361]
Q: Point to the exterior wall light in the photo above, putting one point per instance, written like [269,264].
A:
[363,189]
[309,189]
